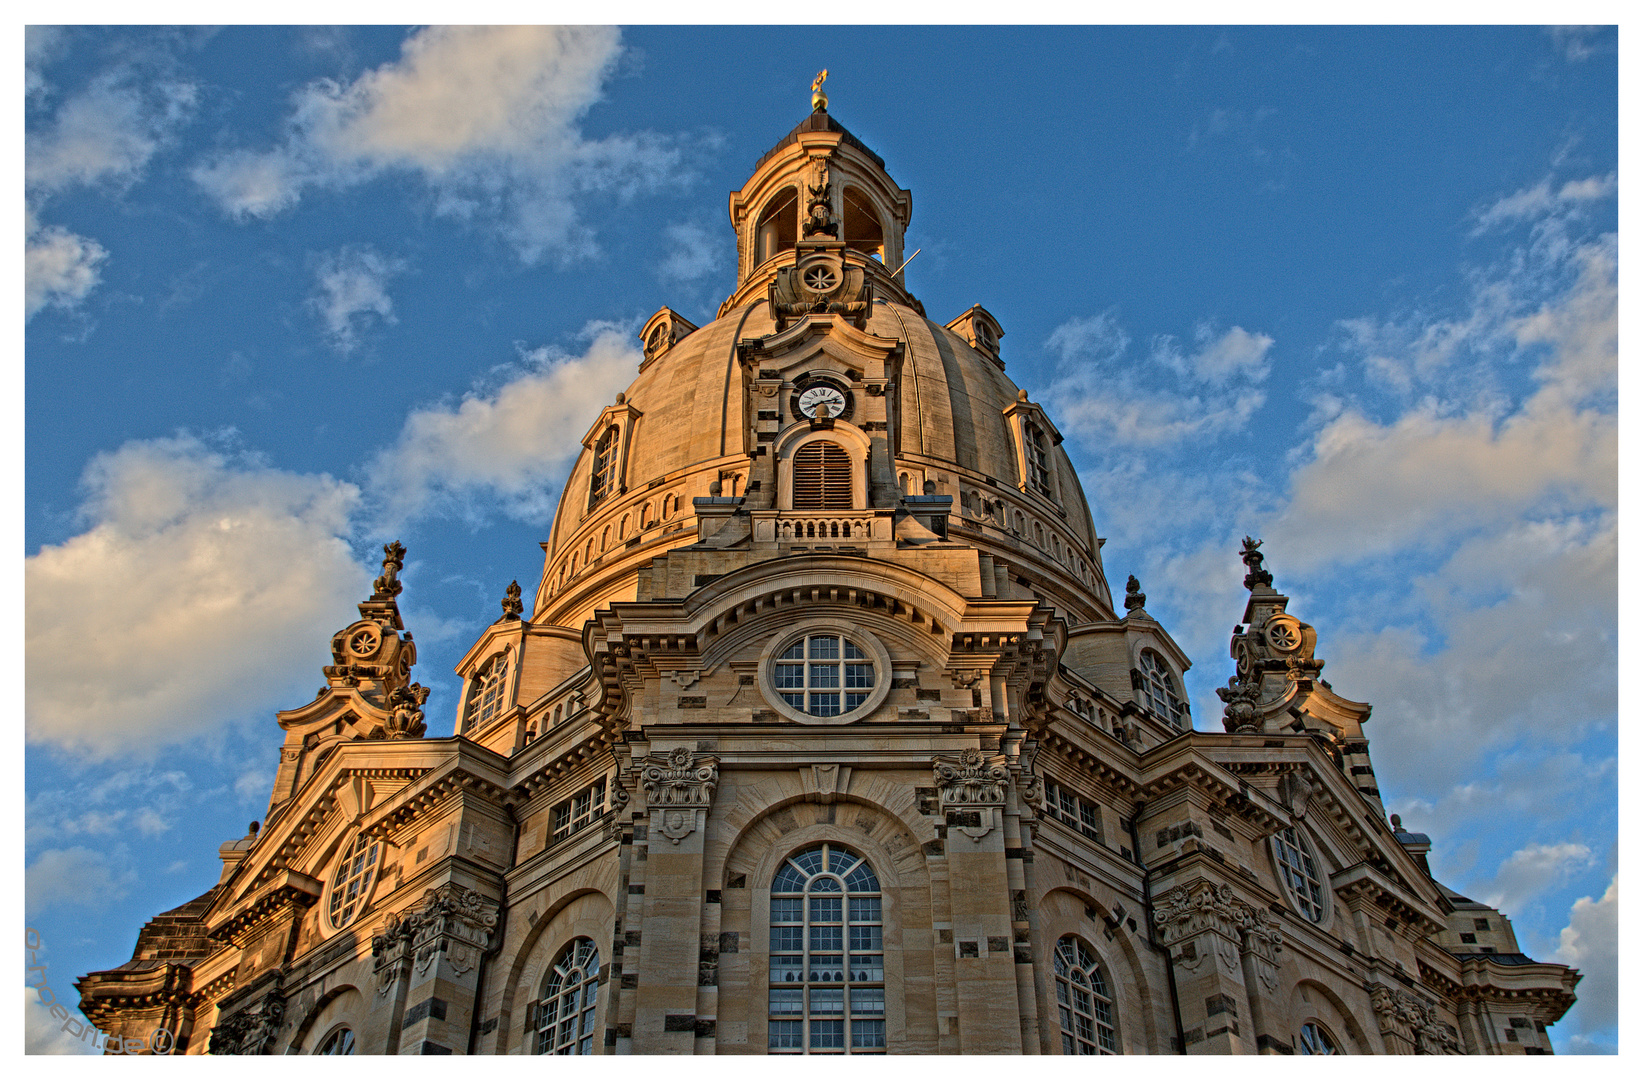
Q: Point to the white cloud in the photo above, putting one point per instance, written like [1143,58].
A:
[1574,42]
[59,268]
[693,253]
[45,1034]
[1219,359]
[1101,396]
[1370,488]
[73,876]
[254,785]
[1544,198]
[1531,870]
[487,116]
[1591,942]
[107,132]
[41,45]
[352,293]
[142,799]
[224,577]
[514,443]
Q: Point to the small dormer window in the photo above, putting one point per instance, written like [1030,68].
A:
[602,481]
[1158,687]
[486,692]
[1038,458]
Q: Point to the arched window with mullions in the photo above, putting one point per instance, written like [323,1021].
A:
[486,690]
[340,1042]
[602,481]
[1159,687]
[570,998]
[1315,1039]
[1085,1003]
[1038,458]
[826,954]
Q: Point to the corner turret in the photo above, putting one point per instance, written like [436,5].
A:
[1277,686]
[367,693]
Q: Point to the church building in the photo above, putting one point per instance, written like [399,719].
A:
[825,732]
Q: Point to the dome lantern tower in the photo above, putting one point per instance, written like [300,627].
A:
[820,206]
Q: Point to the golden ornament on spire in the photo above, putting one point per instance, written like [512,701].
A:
[818,98]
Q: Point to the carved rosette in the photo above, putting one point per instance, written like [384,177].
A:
[1414,1023]
[678,790]
[971,779]
[972,790]
[452,920]
[1188,910]
[253,1029]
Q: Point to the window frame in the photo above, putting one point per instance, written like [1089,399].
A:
[1067,965]
[603,468]
[353,904]
[1322,1034]
[488,688]
[584,994]
[870,646]
[343,1037]
[1302,902]
[1159,680]
[822,916]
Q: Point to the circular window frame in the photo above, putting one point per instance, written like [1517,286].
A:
[1324,891]
[862,639]
[373,876]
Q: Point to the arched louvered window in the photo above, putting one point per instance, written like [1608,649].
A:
[1081,995]
[821,477]
[603,480]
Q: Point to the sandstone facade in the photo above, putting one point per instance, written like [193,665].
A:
[825,733]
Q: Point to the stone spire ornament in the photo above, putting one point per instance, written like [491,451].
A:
[388,586]
[1134,598]
[512,605]
[818,96]
[1253,558]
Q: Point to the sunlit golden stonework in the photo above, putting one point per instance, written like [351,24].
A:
[825,734]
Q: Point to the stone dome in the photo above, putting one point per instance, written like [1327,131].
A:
[717,405]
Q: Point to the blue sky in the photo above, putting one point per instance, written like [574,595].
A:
[294,292]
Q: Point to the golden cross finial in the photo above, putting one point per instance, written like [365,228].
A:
[818,98]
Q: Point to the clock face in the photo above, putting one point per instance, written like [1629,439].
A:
[812,400]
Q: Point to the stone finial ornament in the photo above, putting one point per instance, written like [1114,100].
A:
[512,605]
[388,585]
[1134,598]
[818,96]
[1253,558]
[1241,699]
[405,721]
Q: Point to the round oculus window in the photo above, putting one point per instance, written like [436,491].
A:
[820,674]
